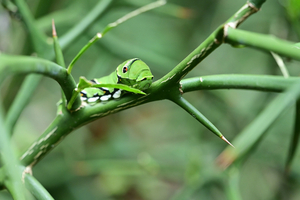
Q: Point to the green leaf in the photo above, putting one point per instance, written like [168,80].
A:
[84,83]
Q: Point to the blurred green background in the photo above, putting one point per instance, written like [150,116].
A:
[156,151]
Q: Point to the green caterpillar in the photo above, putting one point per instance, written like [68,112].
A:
[134,73]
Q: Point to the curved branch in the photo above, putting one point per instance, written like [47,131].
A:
[23,64]
[237,81]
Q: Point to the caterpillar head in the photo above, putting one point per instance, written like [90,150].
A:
[135,73]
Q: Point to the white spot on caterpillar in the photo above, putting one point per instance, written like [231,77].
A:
[117,94]
[105,97]
[92,99]
[201,79]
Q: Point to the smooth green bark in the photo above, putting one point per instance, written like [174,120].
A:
[238,81]
[263,42]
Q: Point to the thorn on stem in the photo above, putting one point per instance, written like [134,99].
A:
[53,29]
[223,138]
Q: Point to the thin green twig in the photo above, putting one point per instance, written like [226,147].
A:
[113,25]
[281,65]
[36,188]
[260,41]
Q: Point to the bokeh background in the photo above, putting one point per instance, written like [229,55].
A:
[156,151]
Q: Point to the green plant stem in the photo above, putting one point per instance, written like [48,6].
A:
[36,188]
[43,50]
[294,139]
[10,6]
[159,90]
[12,171]
[69,121]
[23,64]
[232,186]
[61,61]
[38,38]
[263,42]
[113,25]
[90,43]
[206,47]
[250,82]
[133,14]
[71,35]
[57,49]
[257,3]
[250,136]
[32,81]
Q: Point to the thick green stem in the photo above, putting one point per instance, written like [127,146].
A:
[22,64]
[264,42]
[226,81]
[90,113]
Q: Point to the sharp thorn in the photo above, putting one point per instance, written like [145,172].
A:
[223,138]
[53,29]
